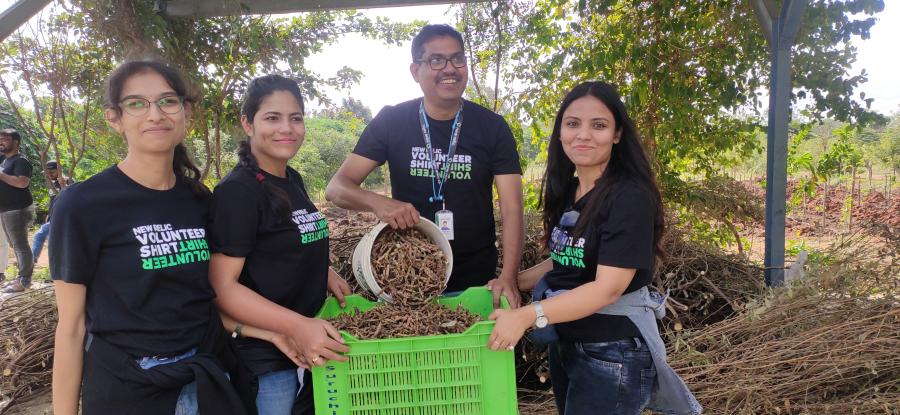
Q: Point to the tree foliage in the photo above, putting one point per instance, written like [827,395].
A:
[53,69]
[690,72]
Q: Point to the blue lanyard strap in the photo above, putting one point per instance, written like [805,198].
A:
[437,190]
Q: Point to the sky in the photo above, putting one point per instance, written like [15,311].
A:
[386,79]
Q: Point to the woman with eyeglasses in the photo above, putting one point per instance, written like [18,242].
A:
[603,221]
[138,332]
[270,250]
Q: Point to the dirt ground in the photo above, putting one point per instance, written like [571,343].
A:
[40,405]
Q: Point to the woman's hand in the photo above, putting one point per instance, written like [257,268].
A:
[317,341]
[289,348]
[510,327]
[338,287]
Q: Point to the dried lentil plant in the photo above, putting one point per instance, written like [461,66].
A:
[390,320]
[408,266]
[27,325]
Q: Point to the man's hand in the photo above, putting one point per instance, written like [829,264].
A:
[505,286]
[338,287]
[397,214]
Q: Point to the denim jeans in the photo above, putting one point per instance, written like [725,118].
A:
[37,242]
[614,378]
[187,399]
[15,225]
[277,392]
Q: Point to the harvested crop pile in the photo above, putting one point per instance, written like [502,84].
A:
[347,228]
[705,284]
[408,266]
[807,354]
[533,251]
[411,269]
[827,346]
[389,321]
[27,326]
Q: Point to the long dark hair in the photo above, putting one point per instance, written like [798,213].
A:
[627,161]
[258,89]
[182,164]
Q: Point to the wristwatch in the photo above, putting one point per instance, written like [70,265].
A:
[541,320]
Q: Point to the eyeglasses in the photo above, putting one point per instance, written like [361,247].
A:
[438,62]
[138,106]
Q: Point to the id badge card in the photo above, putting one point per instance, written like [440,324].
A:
[444,221]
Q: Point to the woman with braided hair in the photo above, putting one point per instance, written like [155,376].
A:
[270,250]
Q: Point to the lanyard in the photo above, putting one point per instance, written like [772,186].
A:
[437,191]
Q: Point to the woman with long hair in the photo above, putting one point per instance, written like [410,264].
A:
[603,221]
[270,250]
[138,332]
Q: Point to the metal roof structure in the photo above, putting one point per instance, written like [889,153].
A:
[780,27]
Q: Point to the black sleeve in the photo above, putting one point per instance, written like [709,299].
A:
[75,245]
[21,168]
[626,237]
[373,142]
[234,218]
[506,157]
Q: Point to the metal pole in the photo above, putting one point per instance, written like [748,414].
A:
[18,14]
[784,29]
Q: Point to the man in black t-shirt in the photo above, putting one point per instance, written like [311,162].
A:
[16,205]
[444,155]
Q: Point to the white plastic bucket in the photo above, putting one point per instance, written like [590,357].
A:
[362,255]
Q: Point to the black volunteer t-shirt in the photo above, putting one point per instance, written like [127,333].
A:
[286,258]
[621,235]
[486,148]
[142,254]
[11,197]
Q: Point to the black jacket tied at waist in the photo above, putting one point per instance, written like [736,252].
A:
[114,383]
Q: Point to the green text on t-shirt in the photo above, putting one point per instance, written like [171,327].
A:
[163,246]
[312,226]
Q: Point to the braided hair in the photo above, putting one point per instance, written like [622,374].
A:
[258,89]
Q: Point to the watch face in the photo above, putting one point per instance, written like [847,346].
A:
[541,322]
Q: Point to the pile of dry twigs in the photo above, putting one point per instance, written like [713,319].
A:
[827,345]
[27,325]
[705,284]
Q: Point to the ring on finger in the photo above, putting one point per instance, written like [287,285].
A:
[314,360]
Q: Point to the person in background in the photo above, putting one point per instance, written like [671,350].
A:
[445,154]
[16,205]
[603,223]
[58,182]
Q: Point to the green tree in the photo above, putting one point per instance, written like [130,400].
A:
[689,72]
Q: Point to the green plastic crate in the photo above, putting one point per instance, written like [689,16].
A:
[451,374]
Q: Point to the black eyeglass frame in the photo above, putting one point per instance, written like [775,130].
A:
[439,62]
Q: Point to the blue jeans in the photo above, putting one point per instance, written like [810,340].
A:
[37,241]
[187,399]
[614,378]
[277,392]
